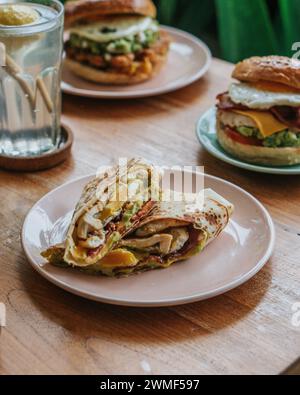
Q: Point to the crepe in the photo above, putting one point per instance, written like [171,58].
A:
[110,205]
[161,231]
[174,231]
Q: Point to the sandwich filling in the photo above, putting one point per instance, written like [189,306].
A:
[262,114]
[137,254]
[122,44]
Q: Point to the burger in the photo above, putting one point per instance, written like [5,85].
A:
[258,119]
[114,41]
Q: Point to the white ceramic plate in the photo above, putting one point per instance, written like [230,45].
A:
[189,59]
[207,135]
[237,255]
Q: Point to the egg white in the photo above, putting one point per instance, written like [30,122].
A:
[253,98]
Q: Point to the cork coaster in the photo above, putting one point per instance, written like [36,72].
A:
[41,162]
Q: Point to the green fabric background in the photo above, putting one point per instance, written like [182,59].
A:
[237,29]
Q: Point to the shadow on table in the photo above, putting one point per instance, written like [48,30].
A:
[250,180]
[100,109]
[87,319]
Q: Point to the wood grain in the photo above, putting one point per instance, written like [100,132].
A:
[248,330]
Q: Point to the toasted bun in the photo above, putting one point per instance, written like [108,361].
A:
[113,77]
[258,155]
[90,10]
[278,69]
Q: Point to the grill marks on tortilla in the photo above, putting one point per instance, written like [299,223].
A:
[97,195]
[157,226]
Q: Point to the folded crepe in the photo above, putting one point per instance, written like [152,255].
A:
[121,237]
[110,205]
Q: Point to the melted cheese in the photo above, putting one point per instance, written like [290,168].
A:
[118,258]
[265,121]
[110,210]
[116,28]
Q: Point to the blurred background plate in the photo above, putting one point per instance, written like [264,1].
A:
[189,59]
[207,135]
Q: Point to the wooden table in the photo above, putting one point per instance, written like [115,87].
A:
[248,330]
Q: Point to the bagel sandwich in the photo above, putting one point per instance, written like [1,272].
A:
[258,119]
[115,42]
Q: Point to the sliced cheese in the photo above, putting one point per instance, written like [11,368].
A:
[265,121]
[79,252]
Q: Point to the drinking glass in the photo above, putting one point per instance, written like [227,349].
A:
[30,75]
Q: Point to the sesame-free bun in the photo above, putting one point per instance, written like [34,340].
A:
[91,10]
[114,77]
[277,69]
[257,155]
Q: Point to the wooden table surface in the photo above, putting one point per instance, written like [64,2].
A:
[248,330]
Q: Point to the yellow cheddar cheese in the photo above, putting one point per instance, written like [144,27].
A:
[110,210]
[79,252]
[266,122]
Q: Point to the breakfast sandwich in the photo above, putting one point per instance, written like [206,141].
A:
[114,41]
[258,119]
[120,237]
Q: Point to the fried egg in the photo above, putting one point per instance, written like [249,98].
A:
[254,98]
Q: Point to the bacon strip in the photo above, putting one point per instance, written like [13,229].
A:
[225,103]
[288,115]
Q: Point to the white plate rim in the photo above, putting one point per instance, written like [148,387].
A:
[150,92]
[235,162]
[166,302]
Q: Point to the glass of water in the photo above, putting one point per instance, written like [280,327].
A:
[31,47]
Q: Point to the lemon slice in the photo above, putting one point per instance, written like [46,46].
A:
[17,15]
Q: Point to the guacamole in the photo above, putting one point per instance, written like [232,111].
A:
[285,138]
[116,47]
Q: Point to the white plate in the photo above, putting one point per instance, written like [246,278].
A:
[237,255]
[189,59]
[207,135]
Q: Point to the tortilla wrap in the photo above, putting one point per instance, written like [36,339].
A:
[109,206]
[171,231]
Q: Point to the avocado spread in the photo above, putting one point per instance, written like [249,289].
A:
[126,45]
[285,138]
